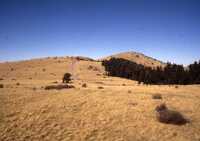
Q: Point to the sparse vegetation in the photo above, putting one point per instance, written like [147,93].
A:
[157,96]
[58,87]
[17,83]
[43,69]
[1,86]
[164,115]
[66,78]
[1,79]
[93,68]
[42,102]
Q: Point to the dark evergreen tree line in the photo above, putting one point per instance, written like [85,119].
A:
[170,74]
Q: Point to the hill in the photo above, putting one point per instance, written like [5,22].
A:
[106,109]
[138,58]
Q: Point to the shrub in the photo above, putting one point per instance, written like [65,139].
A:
[1,79]
[66,78]
[34,88]
[157,96]
[53,74]
[58,87]
[44,70]
[84,85]
[99,82]
[93,68]
[1,86]
[90,67]
[17,83]
[164,115]
[129,91]
[100,87]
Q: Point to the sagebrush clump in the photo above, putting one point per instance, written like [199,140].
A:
[58,87]
[157,96]
[100,87]
[84,85]
[164,115]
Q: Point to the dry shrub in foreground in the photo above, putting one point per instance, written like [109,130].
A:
[157,96]
[1,86]
[58,87]
[164,115]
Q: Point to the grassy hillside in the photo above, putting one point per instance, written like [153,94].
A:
[107,109]
[138,58]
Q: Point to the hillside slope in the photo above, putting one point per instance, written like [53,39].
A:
[108,109]
[138,58]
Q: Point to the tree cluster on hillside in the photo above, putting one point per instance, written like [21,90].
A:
[170,74]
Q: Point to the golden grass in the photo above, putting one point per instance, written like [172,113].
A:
[115,113]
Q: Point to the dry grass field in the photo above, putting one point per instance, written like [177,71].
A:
[107,109]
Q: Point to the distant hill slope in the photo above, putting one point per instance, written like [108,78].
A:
[138,58]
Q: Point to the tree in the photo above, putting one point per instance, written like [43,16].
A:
[66,78]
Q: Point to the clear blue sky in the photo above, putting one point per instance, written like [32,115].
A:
[168,30]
